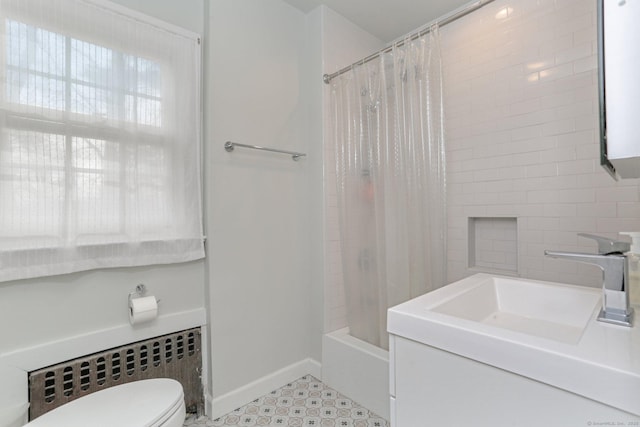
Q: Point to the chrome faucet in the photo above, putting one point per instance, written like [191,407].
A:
[614,264]
[607,246]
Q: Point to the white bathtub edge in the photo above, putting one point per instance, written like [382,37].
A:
[357,369]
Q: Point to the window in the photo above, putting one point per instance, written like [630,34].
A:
[99,139]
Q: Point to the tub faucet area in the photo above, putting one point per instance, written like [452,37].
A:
[615,266]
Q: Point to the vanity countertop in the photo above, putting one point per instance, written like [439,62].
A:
[602,364]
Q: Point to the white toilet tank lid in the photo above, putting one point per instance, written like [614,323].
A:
[137,404]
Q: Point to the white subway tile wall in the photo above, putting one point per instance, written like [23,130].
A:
[522,141]
[522,135]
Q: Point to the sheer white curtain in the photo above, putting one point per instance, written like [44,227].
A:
[389,133]
[99,139]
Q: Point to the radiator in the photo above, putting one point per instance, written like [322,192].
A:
[177,356]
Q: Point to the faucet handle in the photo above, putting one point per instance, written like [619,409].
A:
[606,245]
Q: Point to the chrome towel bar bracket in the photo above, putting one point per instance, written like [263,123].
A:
[229,146]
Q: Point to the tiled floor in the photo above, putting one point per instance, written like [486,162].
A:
[304,403]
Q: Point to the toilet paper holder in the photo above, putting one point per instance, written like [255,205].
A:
[140,291]
[143,308]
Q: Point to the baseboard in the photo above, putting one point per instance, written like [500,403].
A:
[228,402]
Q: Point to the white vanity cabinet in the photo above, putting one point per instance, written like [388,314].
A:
[432,387]
[499,351]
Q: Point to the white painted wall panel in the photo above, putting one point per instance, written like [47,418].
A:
[257,203]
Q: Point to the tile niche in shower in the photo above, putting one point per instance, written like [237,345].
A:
[493,244]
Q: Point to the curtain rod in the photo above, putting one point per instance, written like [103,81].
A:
[446,20]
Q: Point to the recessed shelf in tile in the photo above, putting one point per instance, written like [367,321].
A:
[493,244]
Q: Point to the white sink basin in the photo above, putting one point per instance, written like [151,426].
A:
[556,312]
[544,331]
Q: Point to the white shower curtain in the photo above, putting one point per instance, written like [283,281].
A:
[387,118]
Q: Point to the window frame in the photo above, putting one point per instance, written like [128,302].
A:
[17,120]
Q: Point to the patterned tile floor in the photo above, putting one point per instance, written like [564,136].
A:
[306,402]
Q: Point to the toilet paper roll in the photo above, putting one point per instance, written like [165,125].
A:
[142,309]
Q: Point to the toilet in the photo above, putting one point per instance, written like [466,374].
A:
[148,403]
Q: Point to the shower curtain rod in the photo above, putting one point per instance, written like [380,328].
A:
[446,20]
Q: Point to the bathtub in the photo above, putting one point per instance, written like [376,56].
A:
[357,369]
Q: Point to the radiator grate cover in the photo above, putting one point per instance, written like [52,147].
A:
[177,356]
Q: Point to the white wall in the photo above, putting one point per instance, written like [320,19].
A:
[52,319]
[36,312]
[314,90]
[258,203]
[189,14]
[522,135]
